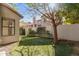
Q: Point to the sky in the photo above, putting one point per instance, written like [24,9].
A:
[22,8]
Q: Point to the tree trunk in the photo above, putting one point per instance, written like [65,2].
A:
[55,35]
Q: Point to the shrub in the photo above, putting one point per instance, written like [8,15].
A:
[22,31]
[42,32]
[31,33]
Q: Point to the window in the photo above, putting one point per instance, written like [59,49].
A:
[8,27]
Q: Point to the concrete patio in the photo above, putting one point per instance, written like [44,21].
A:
[4,50]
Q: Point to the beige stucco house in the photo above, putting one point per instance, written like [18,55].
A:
[42,23]
[35,24]
[9,24]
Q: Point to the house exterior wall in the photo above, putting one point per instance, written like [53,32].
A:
[47,24]
[0,30]
[42,23]
[69,32]
[9,14]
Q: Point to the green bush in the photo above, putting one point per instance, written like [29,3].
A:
[42,32]
[70,21]
[22,31]
[32,33]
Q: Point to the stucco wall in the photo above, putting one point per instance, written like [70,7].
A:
[69,32]
[0,30]
[8,13]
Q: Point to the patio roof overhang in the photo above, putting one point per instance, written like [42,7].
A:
[10,8]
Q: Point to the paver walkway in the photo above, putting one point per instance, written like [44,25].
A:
[6,49]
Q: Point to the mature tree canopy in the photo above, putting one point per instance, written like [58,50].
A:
[50,12]
[71,12]
[55,12]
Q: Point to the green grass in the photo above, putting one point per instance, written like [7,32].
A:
[36,46]
[63,49]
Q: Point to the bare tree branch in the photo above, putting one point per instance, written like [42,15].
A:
[59,22]
[43,14]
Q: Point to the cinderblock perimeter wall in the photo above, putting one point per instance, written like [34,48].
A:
[68,32]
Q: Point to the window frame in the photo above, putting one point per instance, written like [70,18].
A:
[8,26]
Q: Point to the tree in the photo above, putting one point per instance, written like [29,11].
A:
[71,12]
[50,13]
[68,10]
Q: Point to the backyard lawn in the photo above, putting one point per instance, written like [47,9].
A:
[36,46]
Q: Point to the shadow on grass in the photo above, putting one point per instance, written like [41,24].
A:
[32,41]
[63,49]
